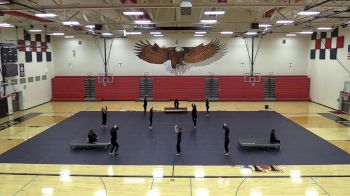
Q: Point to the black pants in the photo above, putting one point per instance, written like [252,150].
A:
[144,109]
[226,145]
[115,146]
[275,142]
[150,121]
[194,119]
[104,120]
[207,109]
[176,105]
[178,148]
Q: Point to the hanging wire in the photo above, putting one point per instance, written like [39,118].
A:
[256,53]
[97,43]
[246,44]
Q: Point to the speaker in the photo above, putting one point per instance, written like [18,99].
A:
[254,25]
[98,27]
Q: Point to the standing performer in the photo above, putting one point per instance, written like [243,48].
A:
[227,140]
[194,115]
[114,142]
[207,105]
[150,117]
[104,117]
[178,133]
[176,103]
[145,105]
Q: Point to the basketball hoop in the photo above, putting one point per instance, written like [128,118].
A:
[252,78]
[105,79]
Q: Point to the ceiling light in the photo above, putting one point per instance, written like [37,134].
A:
[107,34]
[226,32]
[46,15]
[186,3]
[69,36]
[133,33]
[291,34]
[305,32]
[214,12]
[251,33]
[4,2]
[56,33]
[209,21]
[142,21]
[308,13]
[284,21]
[200,32]
[6,25]
[70,23]
[198,35]
[264,25]
[324,28]
[133,13]
[90,26]
[34,30]
[155,33]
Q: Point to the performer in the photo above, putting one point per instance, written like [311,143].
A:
[227,140]
[207,105]
[176,103]
[92,137]
[194,115]
[145,105]
[150,117]
[273,138]
[114,142]
[104,117]
[178,133]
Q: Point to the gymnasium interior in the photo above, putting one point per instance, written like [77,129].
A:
[264,68]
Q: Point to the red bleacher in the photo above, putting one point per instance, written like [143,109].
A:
[234,88]
[181,87]
[68,88]
[292,88]
[123,88]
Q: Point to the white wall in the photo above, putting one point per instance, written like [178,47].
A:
[273,56]
[328,76]
[37,92]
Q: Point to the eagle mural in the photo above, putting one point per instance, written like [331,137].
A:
[177,55]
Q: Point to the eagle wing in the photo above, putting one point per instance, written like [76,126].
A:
[202,52]
[151,53]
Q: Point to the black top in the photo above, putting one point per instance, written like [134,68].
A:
[194,112]
[145,101]
[179,136]
[151,113]
[272,137]
[104,113]
[92,138]
[227,132]
[113,133]
[207,102]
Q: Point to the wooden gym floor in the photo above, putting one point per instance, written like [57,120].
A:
[97,180]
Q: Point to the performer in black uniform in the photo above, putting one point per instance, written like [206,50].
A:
[194,115]
[92,137]
[150,117]
[178,134]
[145,105]
[104,116]
[114,142]
[176,103]
[273,138]
[227,140]
[207,105]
